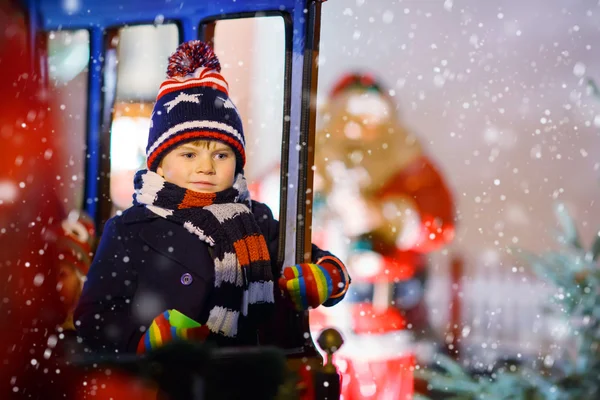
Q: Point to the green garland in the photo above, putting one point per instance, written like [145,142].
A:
[575,274]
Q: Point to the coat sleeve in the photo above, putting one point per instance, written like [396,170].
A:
[270,227]
[103,317]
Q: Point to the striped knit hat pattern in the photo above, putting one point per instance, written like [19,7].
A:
[193,104]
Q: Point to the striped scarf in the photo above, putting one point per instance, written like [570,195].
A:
[243,276]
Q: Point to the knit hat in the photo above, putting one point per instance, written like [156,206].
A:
[357,81]
[193,104]
[377,103]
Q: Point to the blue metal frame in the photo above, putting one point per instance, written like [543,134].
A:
[108,13]
[297,219]
[99,16]
[92,164]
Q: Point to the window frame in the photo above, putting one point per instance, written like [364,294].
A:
[206,33]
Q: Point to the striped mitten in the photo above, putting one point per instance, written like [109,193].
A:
[163,331]
[309,285]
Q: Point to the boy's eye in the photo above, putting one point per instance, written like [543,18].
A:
[188,155]
[221,156]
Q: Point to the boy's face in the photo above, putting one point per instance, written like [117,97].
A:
[202,166]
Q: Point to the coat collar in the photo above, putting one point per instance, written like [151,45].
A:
[137,214]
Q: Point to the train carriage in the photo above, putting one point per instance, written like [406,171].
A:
[99,64]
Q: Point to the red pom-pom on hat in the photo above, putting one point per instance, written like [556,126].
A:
[190,56]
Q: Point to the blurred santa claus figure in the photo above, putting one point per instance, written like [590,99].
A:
[378,190]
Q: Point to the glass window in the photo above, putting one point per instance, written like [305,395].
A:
[68,58]
[142,55]
[252,56]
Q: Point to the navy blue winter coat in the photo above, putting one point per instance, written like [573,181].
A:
[146,264]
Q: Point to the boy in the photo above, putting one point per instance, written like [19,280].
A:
[193,258]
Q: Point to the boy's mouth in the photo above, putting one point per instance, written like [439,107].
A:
[202,184]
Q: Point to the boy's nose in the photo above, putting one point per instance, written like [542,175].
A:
[205,166]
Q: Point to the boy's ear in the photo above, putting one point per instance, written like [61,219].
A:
[159,171]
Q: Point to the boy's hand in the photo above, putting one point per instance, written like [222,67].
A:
[307,285]
[162,331]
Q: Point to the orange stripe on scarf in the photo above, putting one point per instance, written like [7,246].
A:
[197,199]
[250,249]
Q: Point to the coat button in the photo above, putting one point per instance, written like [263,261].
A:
[186,279]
